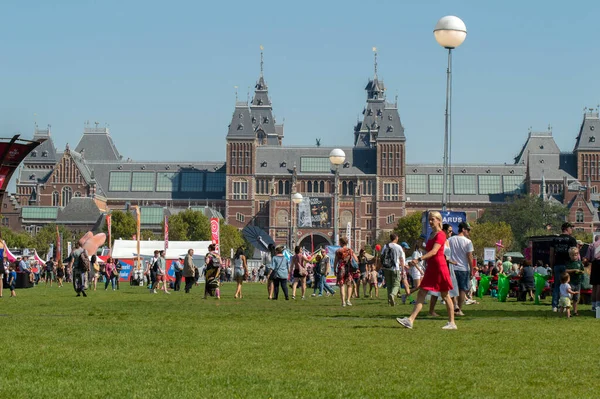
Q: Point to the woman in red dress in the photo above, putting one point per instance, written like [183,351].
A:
[437,275]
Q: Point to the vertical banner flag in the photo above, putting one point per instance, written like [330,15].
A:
[69,247]
[166,232]
[50,252]
[138,219]
[214,230]
[348,234]
[109,228]
[58,254]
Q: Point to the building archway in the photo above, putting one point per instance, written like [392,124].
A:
[319,240]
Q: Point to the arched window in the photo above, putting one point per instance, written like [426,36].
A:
[287,187]
[280,187]
[77,194]
[309,186]
[344,188]
[579,216]
[67,193]
[322,187]
[55,198]
[351,188]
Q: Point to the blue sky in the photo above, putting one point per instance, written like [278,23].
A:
[162,74]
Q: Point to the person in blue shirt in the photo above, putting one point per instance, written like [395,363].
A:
[12,280]
[279,273]
[178,268]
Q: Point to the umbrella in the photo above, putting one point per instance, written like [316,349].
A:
[257,237]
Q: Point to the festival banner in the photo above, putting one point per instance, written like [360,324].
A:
[348,233]
[69,247]
[314,212]
[50,252]
[12,152]
[109,228]
[214,231]
[166,232]
[450,217]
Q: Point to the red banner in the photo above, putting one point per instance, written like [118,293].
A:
[166,232]
[109,228]
[214,230]
[58,248]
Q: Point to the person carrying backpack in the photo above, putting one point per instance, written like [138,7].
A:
[212,272]
[343,268]
[393,263]
[80,264]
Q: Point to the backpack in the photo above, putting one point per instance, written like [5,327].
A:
[387,261]
[215,260]
[84,261]
[155,266]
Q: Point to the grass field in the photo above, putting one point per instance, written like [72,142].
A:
[131,344]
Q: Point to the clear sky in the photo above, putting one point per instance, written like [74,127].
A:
[162,74]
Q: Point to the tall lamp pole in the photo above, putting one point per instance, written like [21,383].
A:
[296,199]
[337,157]
[450,32]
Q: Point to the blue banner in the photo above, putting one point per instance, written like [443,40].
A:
[450,217]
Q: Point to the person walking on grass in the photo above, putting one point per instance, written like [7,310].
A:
[447,229]
[95,269]
[240,271]
[49,277]
[178,268]
[343,270]
[559,257]
[393,263]
[153,272]
[593,256]
[110,274]
[437,275]
[80,264]
[212,271]
[279,273]
[161,273]
[566,293]
[299,271]
[363,270]
[60,273]
[188,270]
[461,250]
[12,280]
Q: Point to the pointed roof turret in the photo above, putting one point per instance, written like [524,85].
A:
[45,152]
[588,138]
[97,144]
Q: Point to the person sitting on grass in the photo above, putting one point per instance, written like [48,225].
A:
[575,270]
[564,303]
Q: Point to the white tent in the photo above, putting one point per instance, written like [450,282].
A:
[127,249]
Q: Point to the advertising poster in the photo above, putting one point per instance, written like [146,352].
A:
[489,255]
[214,231]
[314,212]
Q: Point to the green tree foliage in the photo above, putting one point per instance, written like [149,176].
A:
[47,236]
[583,236]
[409,228]
[16,239]
[230,237]
[123,225]
[487,234]
[189,225]
[148,235]
[528,213]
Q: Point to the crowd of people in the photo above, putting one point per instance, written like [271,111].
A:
[439,267]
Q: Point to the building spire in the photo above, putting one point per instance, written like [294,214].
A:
[261,59]
[375,54]
[236,94]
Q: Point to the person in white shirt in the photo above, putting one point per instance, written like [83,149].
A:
[417,269]
[462,257]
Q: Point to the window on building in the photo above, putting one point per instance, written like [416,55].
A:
[119,181]
[240,217]
[391,191]
[579,216]
[465,184]
[313,164]
[215,182]
[513,184]
[368,239]
[416,184]
[287,187]
[490,184]
[240,190]
[391,219]
[436,184]
[192,181]
[5,221]
[369,224]
[367,187]
[55,198]
[142,181]
[77,194]
[369,210]
[167,181]
[67,194]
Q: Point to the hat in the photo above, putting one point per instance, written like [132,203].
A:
[579,242]
[404,245]
[464,226]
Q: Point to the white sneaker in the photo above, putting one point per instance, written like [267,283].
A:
[314,295]
[450,326]
[555,310]
[343,305]
[405,322]
[348,303]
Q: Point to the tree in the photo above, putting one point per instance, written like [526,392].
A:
[123,225]
[409,228]
[148,235]
[487,234]
[189,225]
[16,239]
[47,236]
[230,237]
[525,213]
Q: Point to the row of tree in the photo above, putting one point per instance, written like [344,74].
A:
[523,217]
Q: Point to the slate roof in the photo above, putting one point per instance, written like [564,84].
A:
[270,160]
[45,152]
[102,170]
[79,210]
[34,176]
[537,143]
[97,145]
[589,133]
[82,166]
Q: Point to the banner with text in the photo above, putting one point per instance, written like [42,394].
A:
[314,212]
[214,231]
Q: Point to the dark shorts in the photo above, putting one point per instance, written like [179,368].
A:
[463,280]
[595,273]
[575,287]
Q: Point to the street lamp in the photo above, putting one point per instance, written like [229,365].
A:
[449,32]
[337,157]
[296,199]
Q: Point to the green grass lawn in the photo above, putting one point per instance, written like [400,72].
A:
[131,344]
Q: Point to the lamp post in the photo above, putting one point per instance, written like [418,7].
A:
[450,32]
[337,157]
[296,199]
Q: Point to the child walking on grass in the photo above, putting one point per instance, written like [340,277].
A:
[564,303]
[12,279]
[373,281]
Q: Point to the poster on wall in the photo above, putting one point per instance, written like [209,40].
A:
[314,212]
